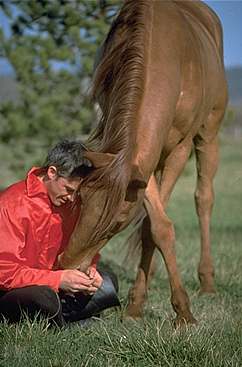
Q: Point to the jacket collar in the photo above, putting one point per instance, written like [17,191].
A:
[35,186]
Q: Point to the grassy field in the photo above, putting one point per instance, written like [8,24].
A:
[216,341]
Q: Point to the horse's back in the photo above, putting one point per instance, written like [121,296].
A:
[189,30]
[206,16]
[191,35]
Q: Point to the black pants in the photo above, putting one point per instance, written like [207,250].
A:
[60,308]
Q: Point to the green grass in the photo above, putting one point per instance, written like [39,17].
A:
[216,341]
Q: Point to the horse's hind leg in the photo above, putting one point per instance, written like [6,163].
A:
[207,156]
[173,167]
[138,293]
[207,162]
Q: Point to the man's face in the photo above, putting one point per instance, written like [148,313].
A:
[61,189]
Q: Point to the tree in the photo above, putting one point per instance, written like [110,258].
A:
[51,48]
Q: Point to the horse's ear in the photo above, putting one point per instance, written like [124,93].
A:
[99,160]
[136,183]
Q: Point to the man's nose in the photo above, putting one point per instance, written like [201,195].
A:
[71,197]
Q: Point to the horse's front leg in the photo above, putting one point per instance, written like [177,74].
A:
[138,293]
[163,235]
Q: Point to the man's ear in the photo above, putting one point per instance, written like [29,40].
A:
[52,172]
[99,160]
[136,183]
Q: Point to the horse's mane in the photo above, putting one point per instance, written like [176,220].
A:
[118,87]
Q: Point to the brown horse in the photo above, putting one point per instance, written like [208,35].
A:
[162,90]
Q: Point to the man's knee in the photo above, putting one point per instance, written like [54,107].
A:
[30,300]
[45,299]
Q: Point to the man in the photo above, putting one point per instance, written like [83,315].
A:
[37,217]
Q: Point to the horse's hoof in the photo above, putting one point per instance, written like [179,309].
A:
[181,322]
[128,318]
[133,313]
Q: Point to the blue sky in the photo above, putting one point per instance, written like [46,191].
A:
[230,13]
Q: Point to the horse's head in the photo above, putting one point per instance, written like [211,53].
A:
[110,199]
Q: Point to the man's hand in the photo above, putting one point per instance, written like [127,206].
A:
[94,274]
[76,281]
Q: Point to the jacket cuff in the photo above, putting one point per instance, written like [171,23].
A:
[55,280]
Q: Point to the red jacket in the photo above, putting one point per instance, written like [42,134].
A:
[32,234]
